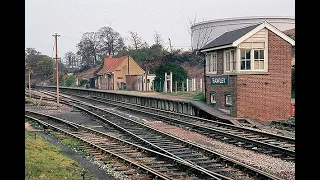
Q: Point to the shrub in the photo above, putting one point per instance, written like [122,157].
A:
[83,82]
[70,80]
[199,97]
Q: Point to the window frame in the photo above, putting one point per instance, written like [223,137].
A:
[227,62]
[226,102]
[245,56]
[252,60]
[207,62]
[232,61]
[211,63]
[213,94]
[257,49]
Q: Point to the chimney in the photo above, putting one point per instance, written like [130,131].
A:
[110,56]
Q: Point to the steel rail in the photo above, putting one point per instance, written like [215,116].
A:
[182,162]
[229,159]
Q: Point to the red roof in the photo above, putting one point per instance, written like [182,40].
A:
[110,64]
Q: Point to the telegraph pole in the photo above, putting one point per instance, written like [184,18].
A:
[146,89]
[29,81]
[57,71]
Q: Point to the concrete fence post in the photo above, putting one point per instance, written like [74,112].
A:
[182,86]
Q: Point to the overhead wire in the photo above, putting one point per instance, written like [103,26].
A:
[70,38]
[52,49]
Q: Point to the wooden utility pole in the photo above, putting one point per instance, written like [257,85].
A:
[57,63]
[146,78]
[29,81]
[170,45]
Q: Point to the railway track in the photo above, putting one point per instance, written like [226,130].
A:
[283,126]
[154,164]
[199,156]
[268,143]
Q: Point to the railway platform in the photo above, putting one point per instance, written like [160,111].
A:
[201,105]
[180,104]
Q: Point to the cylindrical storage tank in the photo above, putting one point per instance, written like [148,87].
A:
[204,32]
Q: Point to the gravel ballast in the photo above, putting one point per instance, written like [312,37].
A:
[276,166]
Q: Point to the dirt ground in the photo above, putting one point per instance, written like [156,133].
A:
[28,127]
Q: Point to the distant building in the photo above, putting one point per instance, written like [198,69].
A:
[150,81]
[113,74]
[134,82]
[204,32]
[88,75]
[248,72]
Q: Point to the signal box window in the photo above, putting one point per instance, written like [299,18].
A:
[213,98]
[228,100]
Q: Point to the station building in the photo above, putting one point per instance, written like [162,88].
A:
[248,72]
[114,73]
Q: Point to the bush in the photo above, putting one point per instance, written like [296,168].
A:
[83,82]
[199,97]
[70,80]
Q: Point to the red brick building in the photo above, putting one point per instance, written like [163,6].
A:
[248,72]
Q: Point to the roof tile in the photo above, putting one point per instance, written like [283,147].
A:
[110,64]
[228,38]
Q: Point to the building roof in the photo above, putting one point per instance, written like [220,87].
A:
[291,33]
[88,73]
[110,64]
[235,37]
[229,37]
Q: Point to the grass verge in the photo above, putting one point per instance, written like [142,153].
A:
[44,161]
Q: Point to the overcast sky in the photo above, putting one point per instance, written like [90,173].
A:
[170,18]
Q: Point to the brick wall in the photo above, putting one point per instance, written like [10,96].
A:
[105,82]
[122,70]
[221,91]
[268,97]
[132,82]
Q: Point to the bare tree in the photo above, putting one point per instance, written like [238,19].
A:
[157,39]
[70,58]
[203,37]
[135,39]
[110,41]
[191,23]
[88,48]
[118,46]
